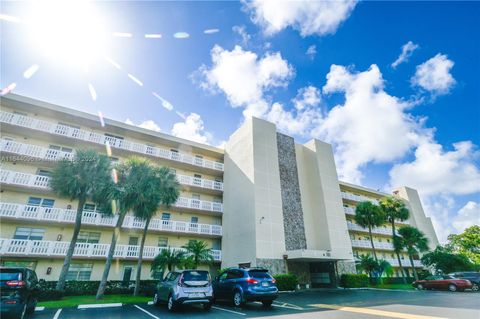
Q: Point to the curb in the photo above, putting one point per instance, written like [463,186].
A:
[99,305]
[380,289]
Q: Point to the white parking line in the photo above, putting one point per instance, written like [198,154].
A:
[147,312]
[57,314]
[100,305]
[39,308]
[150,303]
[283,305]
[228,310]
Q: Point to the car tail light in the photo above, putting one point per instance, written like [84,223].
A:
[252,281]
[274,280]
[11,302]
[15,283]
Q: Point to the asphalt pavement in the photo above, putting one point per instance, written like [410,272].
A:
[322,304]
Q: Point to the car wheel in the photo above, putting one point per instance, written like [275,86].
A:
[237,299]
[420,287]
[207,306]
[171,304]
[267,303]
[452,287]
[475,287]
[156,300]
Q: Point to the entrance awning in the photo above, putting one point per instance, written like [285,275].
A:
[310,255]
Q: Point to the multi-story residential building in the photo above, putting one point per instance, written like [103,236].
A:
[274,203]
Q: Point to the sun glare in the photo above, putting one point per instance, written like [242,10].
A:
[71,32]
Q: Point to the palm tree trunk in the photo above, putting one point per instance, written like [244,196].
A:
[413,266]
[398,255]
[371,241]
[71,248]
[140,259]
[108,263]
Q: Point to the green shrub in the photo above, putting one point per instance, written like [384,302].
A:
[286,282]
[353,280]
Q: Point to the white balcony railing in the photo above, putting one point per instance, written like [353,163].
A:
[366,244]
[45,248]
[358,198]
[405,262]
[39,181]
[43,153]
[27,212]
[97,138]
[376,230]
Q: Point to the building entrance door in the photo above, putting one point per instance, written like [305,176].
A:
[322,274]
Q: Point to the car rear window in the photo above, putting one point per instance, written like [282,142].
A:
[6,275]
[259,274]
[196,275]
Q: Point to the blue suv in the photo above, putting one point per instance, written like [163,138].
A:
[241,285]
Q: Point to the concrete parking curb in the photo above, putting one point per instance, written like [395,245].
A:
[380,289]
[99,305]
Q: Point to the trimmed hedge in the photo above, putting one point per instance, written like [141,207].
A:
[78,288]
[286,282]
[397,280]
[353,280]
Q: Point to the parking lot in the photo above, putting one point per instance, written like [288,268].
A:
[332,303]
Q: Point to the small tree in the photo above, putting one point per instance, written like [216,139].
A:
[367,264]
[198,252]
[414,241]
[384,267]
[395,210]
[167,258]
[161,187]
[369,215]
[445,261]
[466,243]
[78,179]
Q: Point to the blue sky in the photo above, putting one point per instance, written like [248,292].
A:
[317,70]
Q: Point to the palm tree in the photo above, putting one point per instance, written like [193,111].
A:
[162,187]
[367,264]
[198,252]
[414,241]
[77,179]
[167,258]
[395,210]
[384,267]
[129,191]
[369,215]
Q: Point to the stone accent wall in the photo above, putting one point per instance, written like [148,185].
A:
[274,266]
[291,198]
[301,270]
[346,267]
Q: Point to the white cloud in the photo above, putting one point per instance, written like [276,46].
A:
[308,17]
[436,171]
[434,75]
[192,129]
[407,51]
[244,77]
[242,32]
[148,124]
[307,96]
[311,51]
[467,216]
[371,126]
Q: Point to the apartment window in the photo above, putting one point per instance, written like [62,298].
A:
[29,233]
[43,202]
[197,179]
[60,148]
[196,196]
[20,113]
[80,271]
[88,237]
[69,125]
[88,207]
[217,200]
[162,242]
[133,241]
[173,170]
[174,154]
[388,240]
[165,216]
[194,220]
[24,264]
[198,159]
[43,172]
[111,136]
[150,149]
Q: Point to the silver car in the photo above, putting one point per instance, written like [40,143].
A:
[185,287]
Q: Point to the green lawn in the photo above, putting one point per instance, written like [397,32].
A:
[394,286]
[72,301]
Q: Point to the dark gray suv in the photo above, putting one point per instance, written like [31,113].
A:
[19,290]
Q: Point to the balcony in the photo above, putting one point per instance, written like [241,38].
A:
[36,213]
[97,138]
[358,198]
[49,249]
[192,203]
[366,244]
[405,263]
[376,230]
[41,182]
[351,211]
